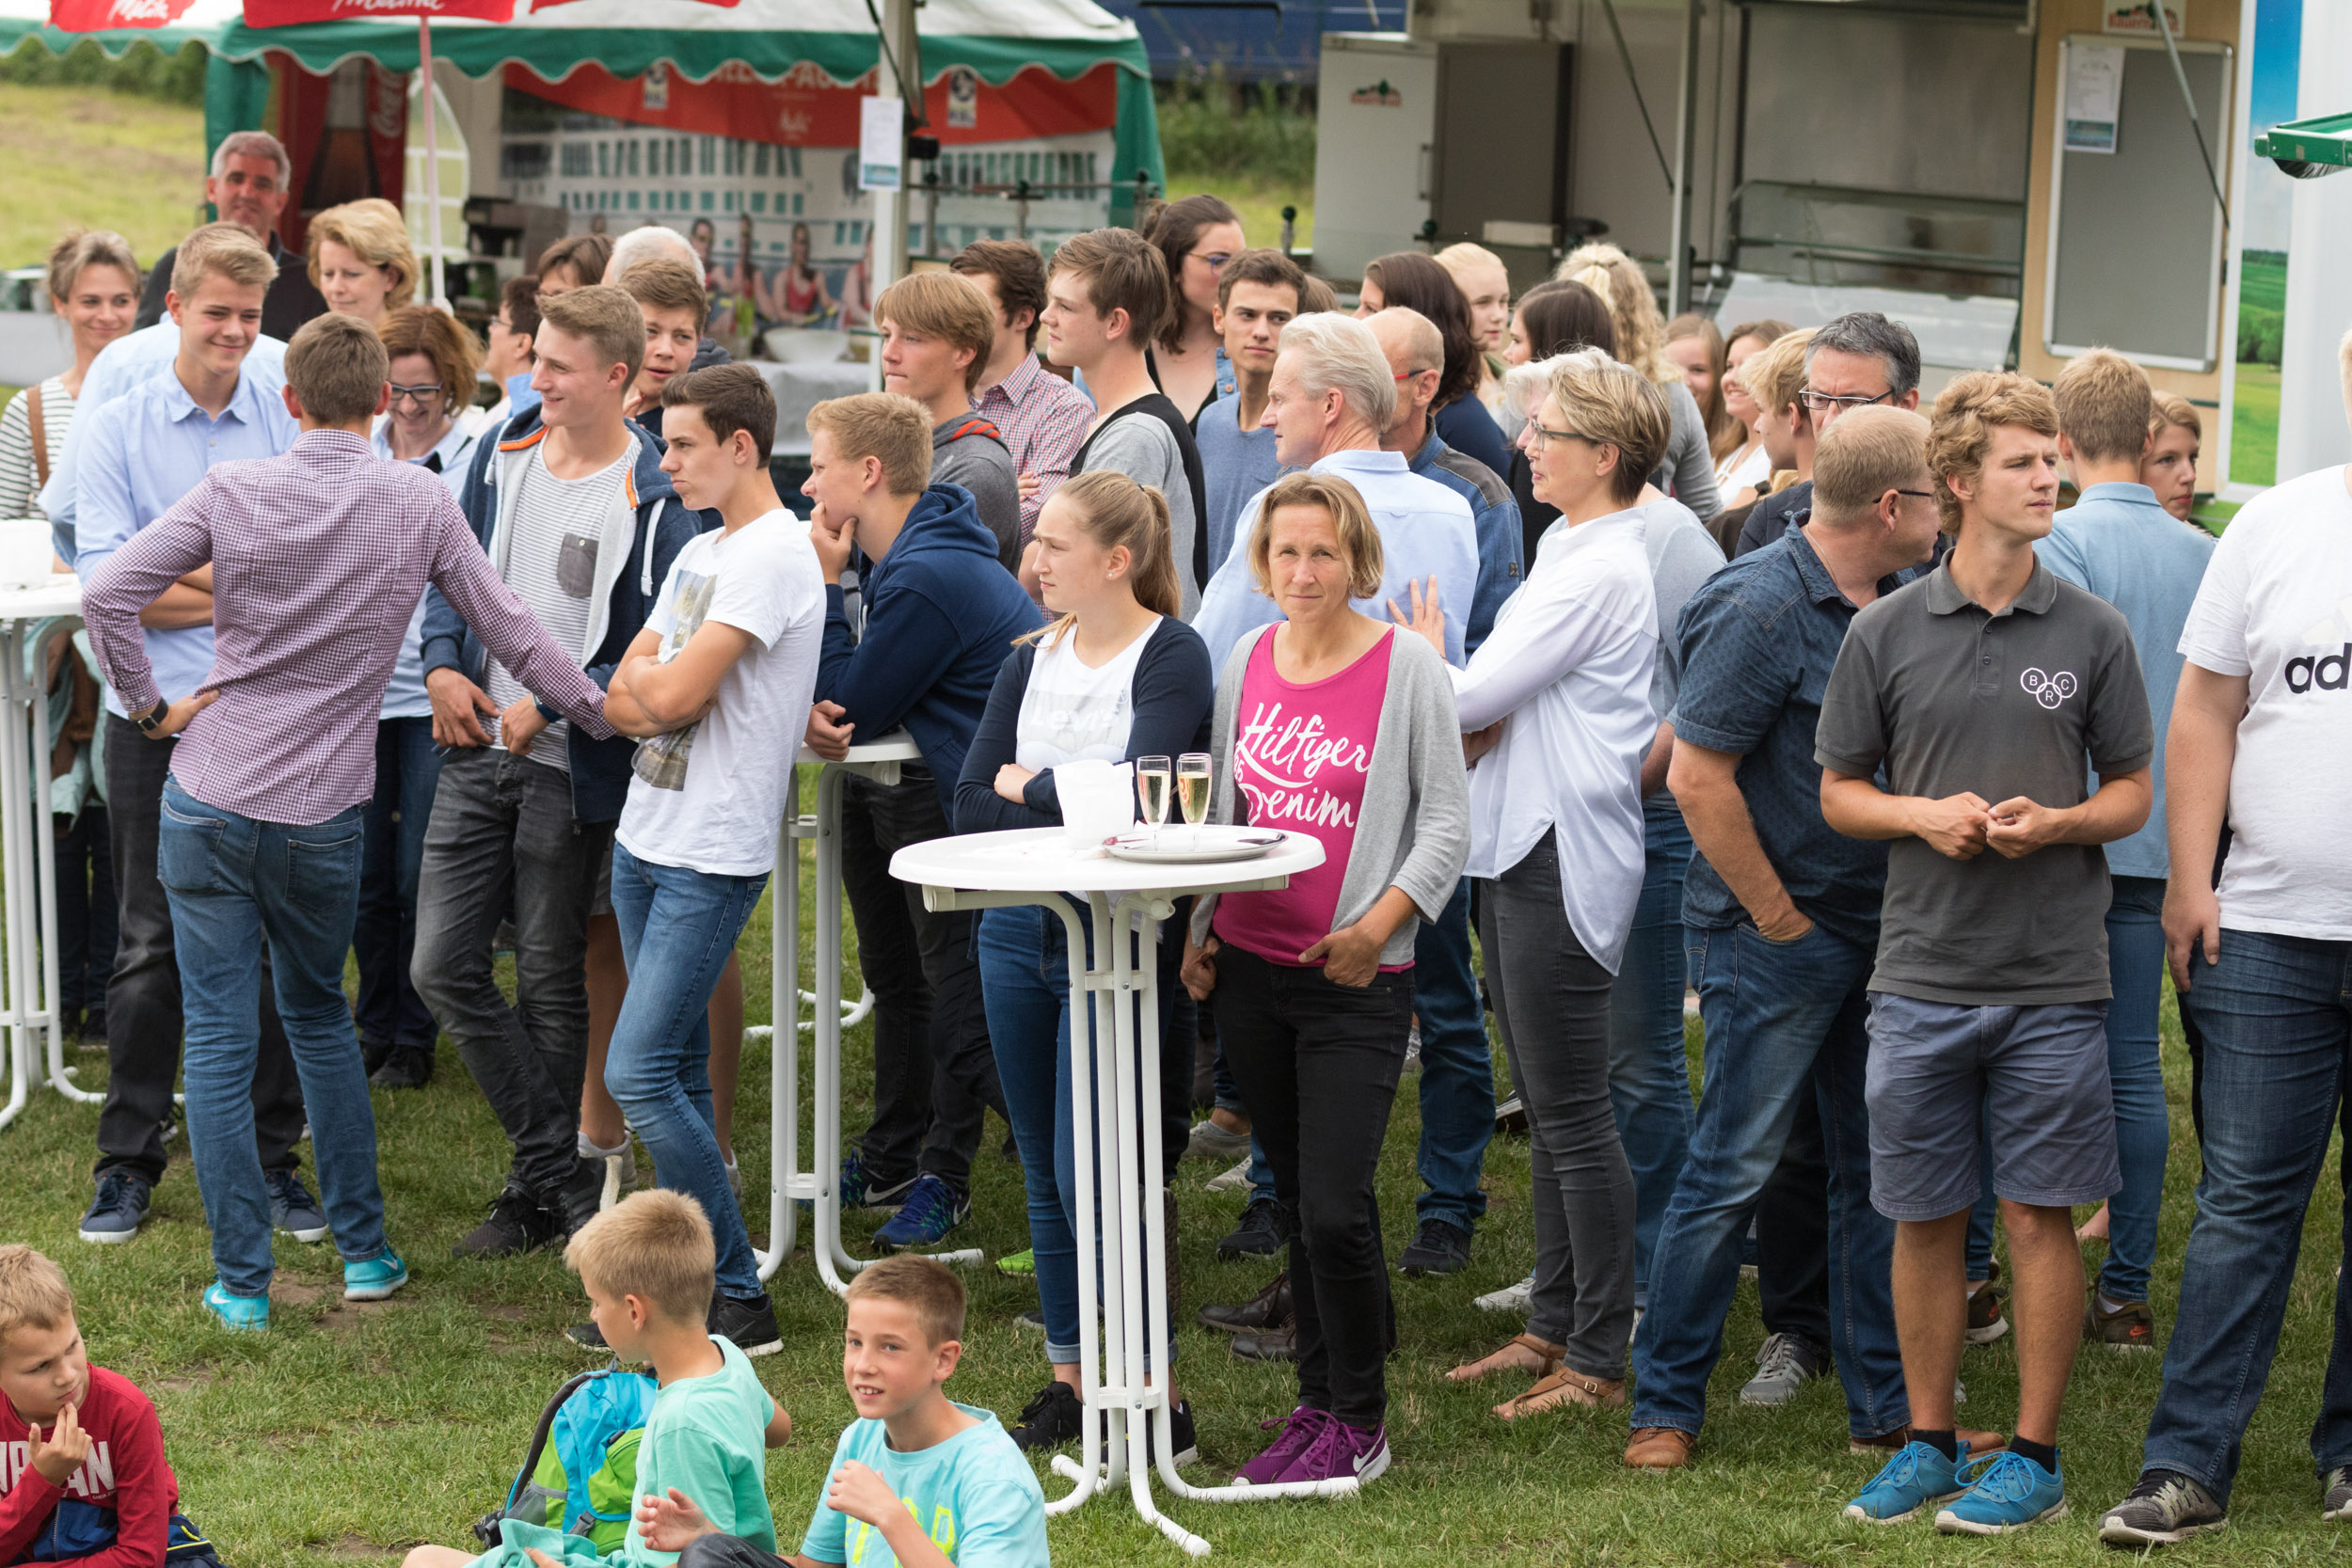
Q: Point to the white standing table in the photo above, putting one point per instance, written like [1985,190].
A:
[821,1184]
[1119,994]
[28,855]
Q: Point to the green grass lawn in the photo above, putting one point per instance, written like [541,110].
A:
[2254,426]
[350,1433]
[82,157]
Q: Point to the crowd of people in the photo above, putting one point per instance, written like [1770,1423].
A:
[1669,658]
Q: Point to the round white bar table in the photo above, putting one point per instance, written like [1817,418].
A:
[1120,992]
[821,1184]
[28,855]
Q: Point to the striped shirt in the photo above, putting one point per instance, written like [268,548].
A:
[318,557]
[1043,421]
[20,476]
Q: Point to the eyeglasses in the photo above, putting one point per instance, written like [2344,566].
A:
[1407,375]
[501,323]
[1217,259]
[1821,402]
[1923,495]
[423,397]
[1544,435]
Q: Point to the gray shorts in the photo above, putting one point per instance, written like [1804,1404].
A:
[2038,1076]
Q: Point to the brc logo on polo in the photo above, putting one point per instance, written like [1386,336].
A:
[2325,671]
[2048,690]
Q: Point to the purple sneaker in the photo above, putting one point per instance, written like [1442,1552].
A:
[1301,1428]
[1341,1452]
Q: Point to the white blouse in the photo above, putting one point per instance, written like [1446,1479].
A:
[1569,663]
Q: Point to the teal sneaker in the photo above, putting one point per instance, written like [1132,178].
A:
[245,1314]
[376,1278]
[2006,1493]
[1917,1477]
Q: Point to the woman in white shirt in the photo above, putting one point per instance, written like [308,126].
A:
[1742,467]
[1555,706]
[1113,677]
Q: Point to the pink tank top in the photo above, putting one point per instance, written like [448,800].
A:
[1300,754]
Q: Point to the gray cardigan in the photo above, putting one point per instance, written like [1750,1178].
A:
[1689,468]
[1414,830]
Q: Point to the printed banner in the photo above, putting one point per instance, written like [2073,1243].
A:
[98,16]
[282,13]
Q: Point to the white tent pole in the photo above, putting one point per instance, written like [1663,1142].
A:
[432,153]
[890,218]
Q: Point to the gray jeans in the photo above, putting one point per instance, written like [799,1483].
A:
[1552,1003]
[502,837]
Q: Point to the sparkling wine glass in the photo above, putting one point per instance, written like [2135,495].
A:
[1152,777]
[1193,774]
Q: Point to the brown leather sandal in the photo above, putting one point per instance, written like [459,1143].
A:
[1546,1361]
[1564,1387]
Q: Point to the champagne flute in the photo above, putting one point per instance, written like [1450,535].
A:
[1151,783]
[1193,772]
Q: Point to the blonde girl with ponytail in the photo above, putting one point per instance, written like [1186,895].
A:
[1114,675]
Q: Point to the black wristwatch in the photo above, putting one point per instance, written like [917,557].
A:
[152,719]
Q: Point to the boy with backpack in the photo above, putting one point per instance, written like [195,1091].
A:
[915,1477]
[649,1266]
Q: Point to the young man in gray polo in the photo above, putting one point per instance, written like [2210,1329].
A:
[1979,692]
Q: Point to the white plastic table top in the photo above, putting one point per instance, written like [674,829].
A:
[1040,860]
[60,595]
[897,746]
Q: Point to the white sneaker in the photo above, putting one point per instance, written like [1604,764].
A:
[1233,1181]
[1511,1298]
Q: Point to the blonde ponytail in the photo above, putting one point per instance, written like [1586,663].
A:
[1115,511]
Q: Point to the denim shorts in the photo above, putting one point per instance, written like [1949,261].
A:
[2038,1076]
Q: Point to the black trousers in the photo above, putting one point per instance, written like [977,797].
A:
[934,1073]
[143,1019]
[85,914]
[1793,1234]
[1317,1063]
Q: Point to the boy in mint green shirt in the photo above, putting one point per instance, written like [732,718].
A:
[649,1267]
[918,1481]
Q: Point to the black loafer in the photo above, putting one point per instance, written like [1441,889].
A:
[1269,1309]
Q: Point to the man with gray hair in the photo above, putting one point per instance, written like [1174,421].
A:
[1860,361]
[643,244]
[1330,401]
[248,186]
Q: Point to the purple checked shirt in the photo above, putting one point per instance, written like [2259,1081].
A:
[318,559]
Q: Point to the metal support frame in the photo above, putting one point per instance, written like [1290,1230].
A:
[28,974]
[1686,149]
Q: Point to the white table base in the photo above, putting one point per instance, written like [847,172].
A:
[28,852]
[1117,1377]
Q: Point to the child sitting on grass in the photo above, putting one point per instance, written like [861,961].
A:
[917,1481]
[649,1266]
[82,1479]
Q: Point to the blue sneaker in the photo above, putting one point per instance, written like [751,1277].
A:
[2007,1493]
[926,1214]
[1917,1477]
[120,1205]
[243,1314]
[292,1209]
[374,1279]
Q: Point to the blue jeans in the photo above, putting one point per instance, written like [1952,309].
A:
[1024,978]
[2276,1016]
[236,884]
[2143,1133]
[1649,1074]
[677,927]
[1782,1019]
[1457,1070]
[407,769]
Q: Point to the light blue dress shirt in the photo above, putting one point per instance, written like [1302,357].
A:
[405,695]
[140,453]
[127,363]
[2117,542]
[1236,465]
[1425,530]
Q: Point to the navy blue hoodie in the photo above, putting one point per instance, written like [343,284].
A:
[941,614]
[649,526]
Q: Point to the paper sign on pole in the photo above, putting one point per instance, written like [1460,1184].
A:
[2095,96]
[881,143]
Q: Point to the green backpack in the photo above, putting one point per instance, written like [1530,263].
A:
[581,1474]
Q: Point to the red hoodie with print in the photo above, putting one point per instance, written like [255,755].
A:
[116,1510]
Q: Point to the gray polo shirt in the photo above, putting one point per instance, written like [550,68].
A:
[1952,699]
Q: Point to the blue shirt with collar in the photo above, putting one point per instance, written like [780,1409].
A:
[1425,530]
[143,452]
[1759,640]
[1496,516]
[2118,542]
[1235,463]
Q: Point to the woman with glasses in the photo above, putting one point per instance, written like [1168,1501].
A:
[1195,236]
[1556,712]
[1550,319]
[1687,469]
[433,423]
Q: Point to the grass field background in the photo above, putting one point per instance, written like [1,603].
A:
[347,1434]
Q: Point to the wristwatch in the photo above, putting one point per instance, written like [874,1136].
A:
[153,718]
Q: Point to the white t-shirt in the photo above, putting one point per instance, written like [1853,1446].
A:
[710,797]
[2276,606]
[1070,713]
[1735,473]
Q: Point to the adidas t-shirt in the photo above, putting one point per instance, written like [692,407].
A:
[2276,606]
[708,796]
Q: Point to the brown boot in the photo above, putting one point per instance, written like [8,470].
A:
[1659,1448]
[1269,1309]
[1269,1344]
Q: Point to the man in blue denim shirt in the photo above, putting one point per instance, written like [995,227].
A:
[2118,543]
[1781,914]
